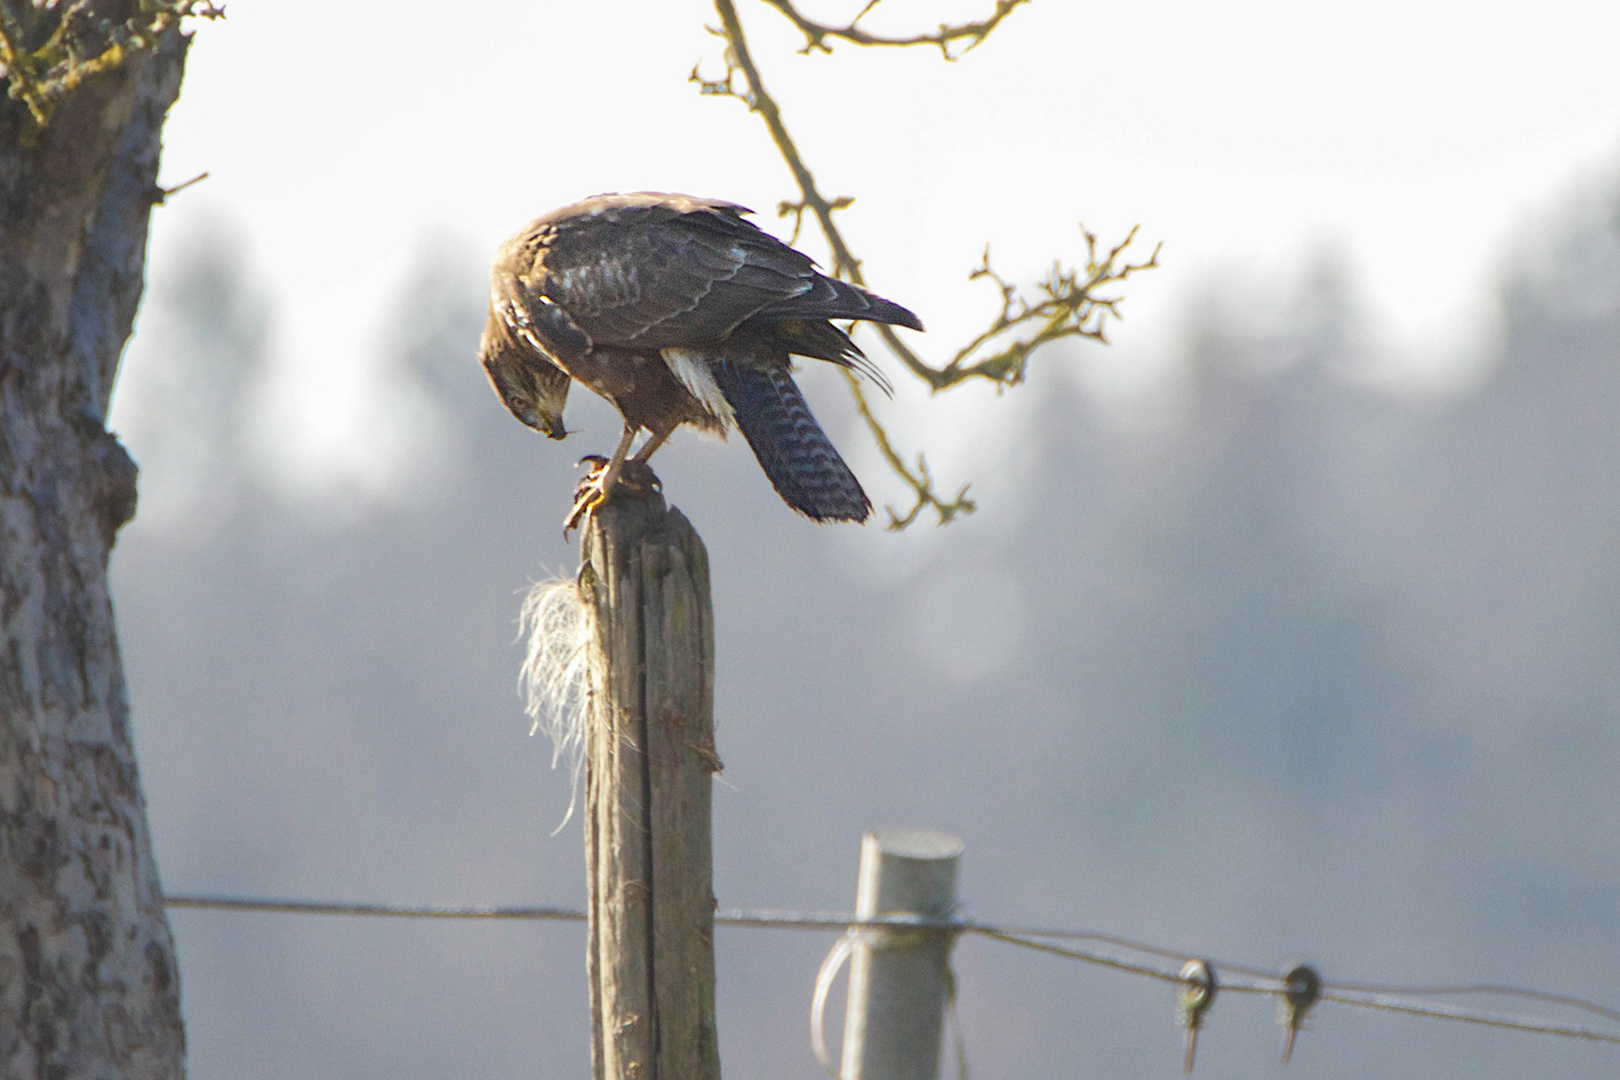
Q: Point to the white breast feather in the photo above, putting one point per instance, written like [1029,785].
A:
[694,374]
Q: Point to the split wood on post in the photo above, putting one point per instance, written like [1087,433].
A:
[650,756]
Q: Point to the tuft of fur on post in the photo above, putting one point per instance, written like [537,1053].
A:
[555,678]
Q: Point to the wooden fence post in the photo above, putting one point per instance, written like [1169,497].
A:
[650,755]
[899,979]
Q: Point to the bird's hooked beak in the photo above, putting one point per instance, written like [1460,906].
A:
[551,426]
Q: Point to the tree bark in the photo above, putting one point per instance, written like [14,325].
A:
[88,981]
[650,756]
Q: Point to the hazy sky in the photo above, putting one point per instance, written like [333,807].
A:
[1414,139]
[1309,670]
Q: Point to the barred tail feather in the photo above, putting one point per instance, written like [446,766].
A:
[795,453]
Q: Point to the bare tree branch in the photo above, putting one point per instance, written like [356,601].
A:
[1065,304]
[921,481]
[816,34]
[1068,306]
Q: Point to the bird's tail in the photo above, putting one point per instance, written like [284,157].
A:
[795,453]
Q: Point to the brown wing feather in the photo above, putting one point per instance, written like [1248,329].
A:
[653,276]
[654,271]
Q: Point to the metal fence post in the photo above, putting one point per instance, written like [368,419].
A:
[899,978]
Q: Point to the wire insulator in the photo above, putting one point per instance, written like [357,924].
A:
[1197,996]
[1302,988]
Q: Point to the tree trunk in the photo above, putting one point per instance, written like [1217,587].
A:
[88,981]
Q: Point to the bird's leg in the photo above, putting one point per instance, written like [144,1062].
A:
[655,439]
[594,489]
[636,472]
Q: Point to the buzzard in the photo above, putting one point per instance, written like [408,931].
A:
[678,311]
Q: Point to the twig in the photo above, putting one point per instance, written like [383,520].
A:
[816,34]
[1066,304]
[921,482]
[163,194]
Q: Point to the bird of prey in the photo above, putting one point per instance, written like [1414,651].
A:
[678,311]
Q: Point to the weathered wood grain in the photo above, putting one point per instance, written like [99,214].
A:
[650,759]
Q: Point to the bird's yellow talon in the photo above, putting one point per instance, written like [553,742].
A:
[588,494]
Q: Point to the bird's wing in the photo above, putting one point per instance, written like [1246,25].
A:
[682,274]
[526,315]
[829,298]
[654,271]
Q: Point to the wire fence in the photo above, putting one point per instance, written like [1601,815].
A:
[1255,980]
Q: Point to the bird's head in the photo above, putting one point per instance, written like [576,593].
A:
[533,388]
[535,396]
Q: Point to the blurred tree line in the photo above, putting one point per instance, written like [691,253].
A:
[1376,629]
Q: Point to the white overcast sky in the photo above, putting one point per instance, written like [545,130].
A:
[1417,138]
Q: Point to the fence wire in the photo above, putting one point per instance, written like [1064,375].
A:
[1386,998]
